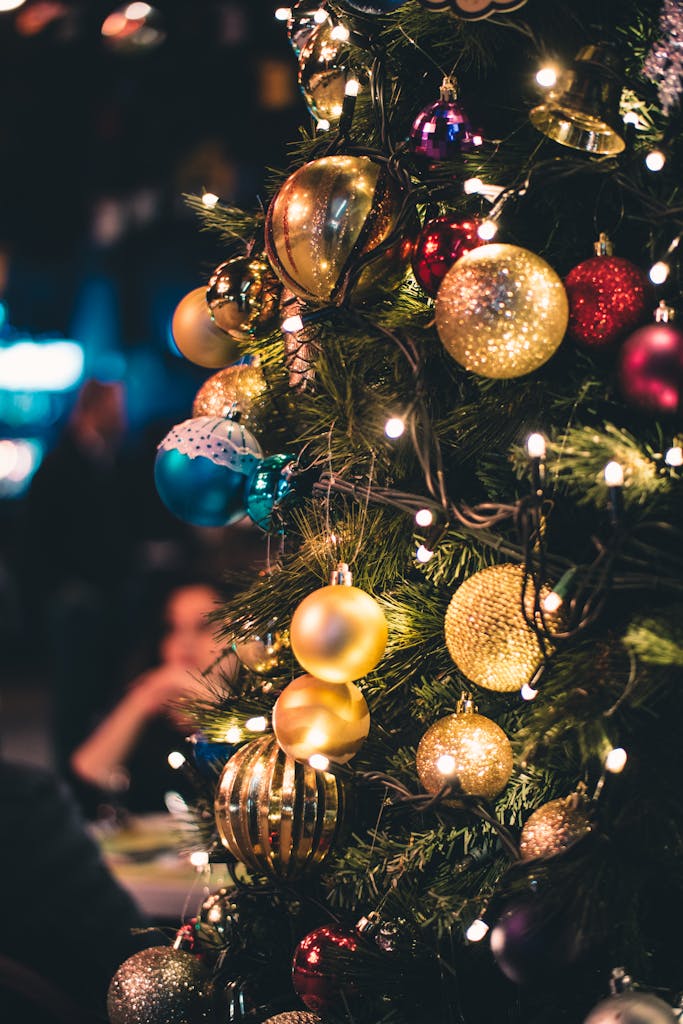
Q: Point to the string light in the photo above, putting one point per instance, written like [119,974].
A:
[473,186]
[659,272]
[394,427]
[319,762]
[655,160]
[320,16]
[259,724]
[615,762]
[341,33]
[292,324]
[528,693]
[210,199]
[553,601]
[176,759]
[535,446]
[614,474]
[547,76]
[487,230]
[424,517]
[283,13]
[423,554]
[674,456]
[323,125]
[199,859]
[233,734]
[352,87]
[632,118]
[477,931]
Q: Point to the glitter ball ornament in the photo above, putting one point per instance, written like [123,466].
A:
[231,393]
[294,1017]
[203,468]
[532,943]
[442,130]
[467,750]
[651,369]
[313,717]
[555,827]
[271,485]
[486,633]
[277,816]
[266,655]
[501,311]
[306,17]
[325,65]
[328,213]
[632,1008]
[339,633]
[439,245]
[197,336]
[608,296]
[318,974]
[161,985]
[242,296]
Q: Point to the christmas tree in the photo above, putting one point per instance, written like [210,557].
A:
[448,786]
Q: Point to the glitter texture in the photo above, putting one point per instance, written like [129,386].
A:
[555,827]
[501,311]
[664,62]
[480,749]
[608,296]
[230,392]
[160,985]
[294,1017]
[486,633]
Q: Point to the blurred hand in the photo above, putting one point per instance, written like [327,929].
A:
[161,689]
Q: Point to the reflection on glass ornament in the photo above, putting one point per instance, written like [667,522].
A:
[231,392]
[197,336]
[324,67]
[203,468]
[264,655]
[133,28]
[306,17]
[442,130]
[651,367]
[317,976]
[439,245]
[243,296]
[313,717]
[271,484]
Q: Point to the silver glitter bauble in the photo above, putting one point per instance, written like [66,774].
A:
[160,985]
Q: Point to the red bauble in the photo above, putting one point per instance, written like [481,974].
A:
[651,369]
[318,968]
[608,297]
[441,242]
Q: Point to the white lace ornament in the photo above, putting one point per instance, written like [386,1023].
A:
[223,442]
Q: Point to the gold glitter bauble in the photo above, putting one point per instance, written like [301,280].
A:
[243,296]
[314,717]
[554,827]
[294,1017]
[275,815]
[327,213]
[338,633]
[324,67]
[197,336]
[264,655]
[486,633]
[501,311]
[160,985]
[467,749]
[229,392]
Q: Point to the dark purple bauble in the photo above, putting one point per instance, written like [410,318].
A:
[529,944]
[441,242]
[317,968]
[442,130]
[651,369]
[374,6]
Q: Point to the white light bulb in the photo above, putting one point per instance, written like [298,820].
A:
[292,324]
[632,118]
[674,456]
[477,140]
[10,5]
[137,11]
[546,77]
[394,427]
[423,554]
[210,199]
[176,759]
[655,160]
[283,13]
[477,931]
[352,87]
[199,859]
[259,724]
[233,734]
[659,272]
[614,475]
[528,693]
[445,764]
[615,761]
[473,186]
[323,125]
[487,230]
[424,517]
[341,33]
[319,762]
[552,602]
[320,16]
[535,446]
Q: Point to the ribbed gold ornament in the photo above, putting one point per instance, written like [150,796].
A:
[229,392]
[277,816]
[467,749]
[486,633]
[314,717]
[554,827]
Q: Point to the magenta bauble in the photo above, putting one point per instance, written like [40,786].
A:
[318,974]
[651,369]
[439,245]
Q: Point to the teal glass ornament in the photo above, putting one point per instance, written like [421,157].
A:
[203,470]
[269,486]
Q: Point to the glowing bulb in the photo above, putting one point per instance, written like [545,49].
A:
[259,724]
[323,125]
[477,931]
[659,272]
[352,87]
[445,764]
[674,456]
[319,16]
[10,5]
[292,324]
[632,118]
[176,759]
[394,427]
[473,186]
[319,762]
[528,693]
[210,199]
[341,33]
[487,230]
[199,859]
[283,13]
[477,140]
[424,517]
[137,11]
[546,77]
[614,475]
[655,160]
[535,446]
[423,554]
[552,602]
[234,734]
[615,761]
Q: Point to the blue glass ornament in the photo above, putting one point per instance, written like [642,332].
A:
[203,469]
[374,6]
[270,485]
[210,757]
[442,130]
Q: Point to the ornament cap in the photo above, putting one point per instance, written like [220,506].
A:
[620,981]
[341,576]
[449,90]
[664,313]
[369,924]
[603,246]
[466,705]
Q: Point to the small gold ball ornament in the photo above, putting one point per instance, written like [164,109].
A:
[243,296]
[324,67]
[314,717]
[466,749]
[486,633]
[230,392]
[501,311]
[338,633]
[555,826]
[197,336]
[266,655]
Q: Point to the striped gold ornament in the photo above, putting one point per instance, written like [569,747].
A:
[277,816]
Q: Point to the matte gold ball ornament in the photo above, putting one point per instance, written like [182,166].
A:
[339,633]
[231,392]
[314,717]
[197,336]
[501,311]
[467,750]
[243,296]
[486,633]
[555,827]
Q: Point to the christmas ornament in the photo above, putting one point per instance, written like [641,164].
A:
[203,468]
[271,485]
[474,10]
[467,750]
[608,296]
[555,827]
[132,29]
[231,392]
[325,65]
[582,110]
[439,245]
[651,367]
[375,6]
[664,62]
[531,943]
[314,717]
[338,633]
[632,1008]
[209,756]
[329,213]
[300,346]
[196,335]
[294,1017]
[243,296]
[266,655]
[161,985]
[306,17]
[318,974]
[501,311]
[442,130]
[486,633]
[277,816]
